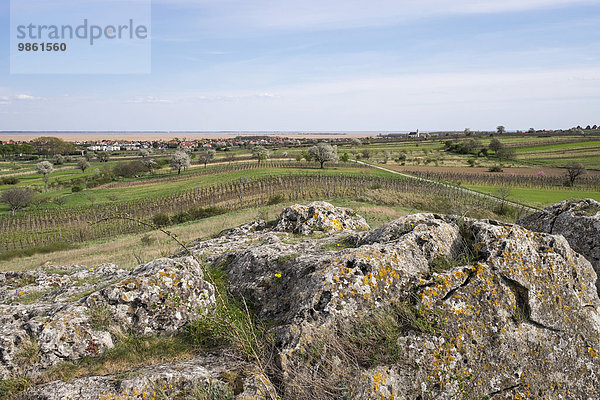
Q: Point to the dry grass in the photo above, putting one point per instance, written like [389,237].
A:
[130,353]
[127,251]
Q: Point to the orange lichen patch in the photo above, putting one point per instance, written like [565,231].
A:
[378,380]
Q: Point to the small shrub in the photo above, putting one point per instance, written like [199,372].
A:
[496,168]
[275,199]
[10,180]
[161,219]
[147,240]
[31,297]
[76,189]
[345,243]
[206,212]
[180,218]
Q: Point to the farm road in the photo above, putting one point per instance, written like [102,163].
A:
[465,190]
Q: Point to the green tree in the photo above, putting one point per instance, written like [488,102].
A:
[82,164]
[103,156]
[50,146]
[500,129]
[506,154]
[495,145]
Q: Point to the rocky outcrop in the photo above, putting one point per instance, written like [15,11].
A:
[425,307]
[159,297]
[428,306]
[577,221]
[204,377]
[319,216]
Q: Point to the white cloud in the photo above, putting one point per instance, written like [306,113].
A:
[149,100]
[25,97]
[9,99]
[335,14]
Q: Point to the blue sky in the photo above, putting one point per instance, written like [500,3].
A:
[333,65]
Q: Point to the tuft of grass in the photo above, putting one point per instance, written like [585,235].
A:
[590,211]
[129,353]
[345,243]
[276,199]
[29,354]
[81,295]
[229,322]
[442,264]
[31,297]
[211,390]
[100,317]
[287,258]
[12,387]
[25,280]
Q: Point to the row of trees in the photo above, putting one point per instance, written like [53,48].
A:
[474,146]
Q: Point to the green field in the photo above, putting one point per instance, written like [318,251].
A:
[162,186]
[530,152]
[539,198]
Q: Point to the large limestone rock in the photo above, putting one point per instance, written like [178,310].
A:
[578,222]
[426,307]
[319,216]
[430,307]
[159,297]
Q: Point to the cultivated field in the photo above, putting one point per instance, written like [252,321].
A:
[73,210]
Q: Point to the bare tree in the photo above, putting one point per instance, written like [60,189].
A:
[17,198]
[323,153]
[229,156]
[45,168]
[180,160]
[206,156]
[386,156]
[574,171]
[83,165]
[503,193]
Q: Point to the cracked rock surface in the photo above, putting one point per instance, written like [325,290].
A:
[425,307]
[69,322]
[577,221]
